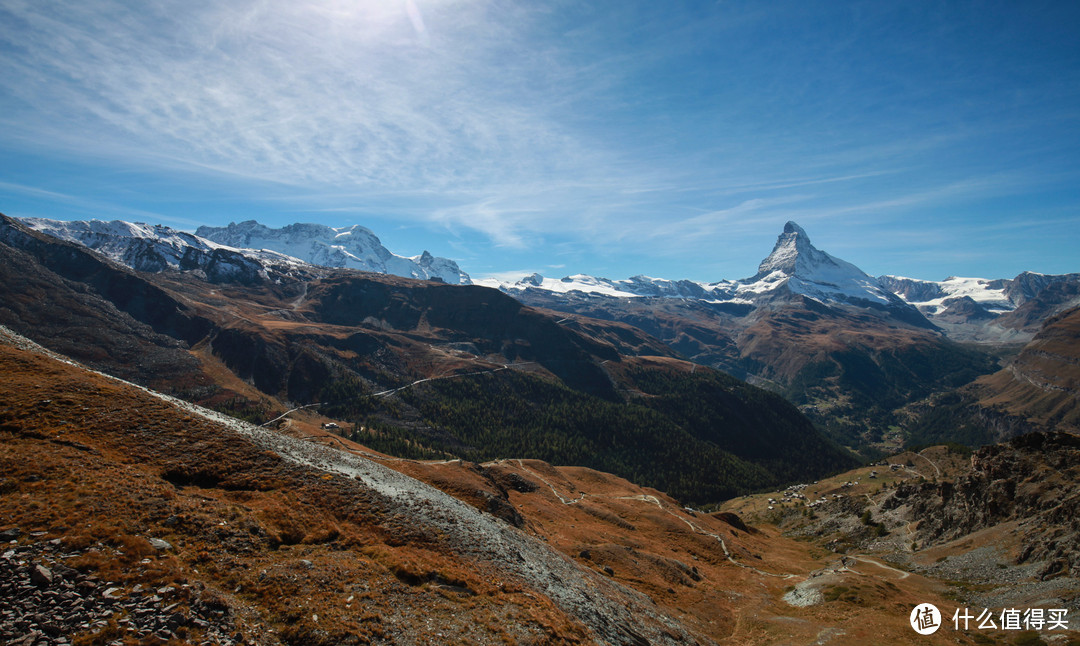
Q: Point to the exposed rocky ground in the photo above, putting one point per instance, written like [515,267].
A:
[993,529]
[48,601]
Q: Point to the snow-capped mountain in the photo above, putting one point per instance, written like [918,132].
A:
[996,296]
[794,267]
[797,267]
[979,309]
[934,297]
[141,246]
[155,248]
[247,250]
[633,287]
[353,247]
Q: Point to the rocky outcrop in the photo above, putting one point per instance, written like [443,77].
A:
[1032,479]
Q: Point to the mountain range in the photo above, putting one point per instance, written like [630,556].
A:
[247,249]
[426,369]
[854,352]
[962,307]
[975,309]
[795,266]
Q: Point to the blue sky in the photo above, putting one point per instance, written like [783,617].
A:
[614,137]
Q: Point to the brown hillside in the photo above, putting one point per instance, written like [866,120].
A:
[1042,385]
[271,539]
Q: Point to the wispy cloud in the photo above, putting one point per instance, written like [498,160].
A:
[92,207]
[369,93]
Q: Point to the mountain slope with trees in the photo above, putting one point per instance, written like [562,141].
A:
[429,369]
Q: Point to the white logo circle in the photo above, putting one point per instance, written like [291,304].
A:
[925,619]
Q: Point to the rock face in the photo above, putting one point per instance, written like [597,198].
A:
[1032,479]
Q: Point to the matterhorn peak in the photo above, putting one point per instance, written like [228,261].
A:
[792,227]
[796,266]
[793,254]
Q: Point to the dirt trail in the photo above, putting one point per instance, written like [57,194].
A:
[267,423]
[647,498]
[507,366]
[866,559]
[932,463]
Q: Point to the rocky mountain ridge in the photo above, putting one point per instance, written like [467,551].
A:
[967,309]
[248,251]
[990,310]
[980,310]
[1031,479]
[352,247]
[794,266]
[830,338]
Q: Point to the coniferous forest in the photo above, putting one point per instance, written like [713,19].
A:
[700,437]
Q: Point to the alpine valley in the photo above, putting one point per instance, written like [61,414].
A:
[250,435]
[863,357]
